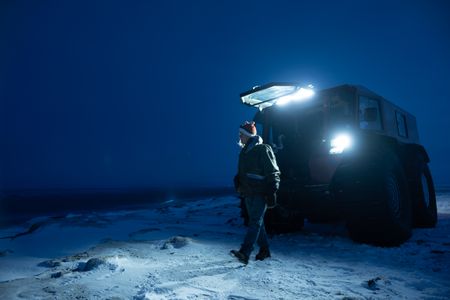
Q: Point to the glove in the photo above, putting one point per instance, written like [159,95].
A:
[271,200]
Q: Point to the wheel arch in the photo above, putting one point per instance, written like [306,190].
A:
[353,168]
[369,154]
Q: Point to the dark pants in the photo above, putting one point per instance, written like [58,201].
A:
[256,208]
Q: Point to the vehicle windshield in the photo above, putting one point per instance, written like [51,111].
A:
[341,109]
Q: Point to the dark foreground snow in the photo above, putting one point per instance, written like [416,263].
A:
[180,251]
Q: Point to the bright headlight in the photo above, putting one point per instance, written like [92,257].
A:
[340,143]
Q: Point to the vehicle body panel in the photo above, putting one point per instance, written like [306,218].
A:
[300,134]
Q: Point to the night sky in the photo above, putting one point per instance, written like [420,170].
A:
[146,93]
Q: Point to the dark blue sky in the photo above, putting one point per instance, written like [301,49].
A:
[144,93]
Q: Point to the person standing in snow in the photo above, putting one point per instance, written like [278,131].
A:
[257,182]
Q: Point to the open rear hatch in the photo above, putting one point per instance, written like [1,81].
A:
[268,94]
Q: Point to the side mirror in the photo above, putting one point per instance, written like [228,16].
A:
[370,114]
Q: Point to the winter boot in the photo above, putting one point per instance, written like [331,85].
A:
[263,253]
[243,258]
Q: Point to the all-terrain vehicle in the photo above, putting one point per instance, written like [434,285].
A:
[345,153]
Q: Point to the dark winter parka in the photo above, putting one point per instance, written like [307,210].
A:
[258,172]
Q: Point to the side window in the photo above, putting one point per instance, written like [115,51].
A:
[401,124]
[369,114]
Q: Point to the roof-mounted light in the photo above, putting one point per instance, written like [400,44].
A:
[300,95]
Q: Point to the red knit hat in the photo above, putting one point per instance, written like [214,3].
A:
[248,129]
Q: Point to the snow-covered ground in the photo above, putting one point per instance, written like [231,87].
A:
[180,250]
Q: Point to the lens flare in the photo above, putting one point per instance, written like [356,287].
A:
[340,143]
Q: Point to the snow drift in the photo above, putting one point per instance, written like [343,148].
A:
[180,250]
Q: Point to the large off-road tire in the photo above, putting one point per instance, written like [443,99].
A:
[382,212]
[425,210]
